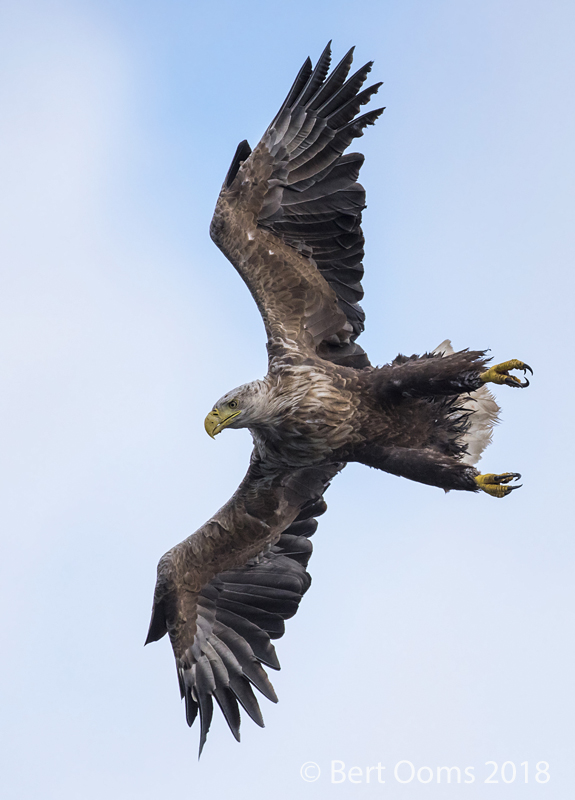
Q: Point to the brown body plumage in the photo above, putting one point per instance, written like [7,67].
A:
[288,218]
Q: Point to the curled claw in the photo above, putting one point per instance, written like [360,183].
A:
[524,369]
[511,380]
[506,477]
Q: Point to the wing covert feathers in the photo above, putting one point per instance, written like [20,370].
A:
[225,592]
[300,188]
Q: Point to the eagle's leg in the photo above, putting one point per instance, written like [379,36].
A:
[436,469]
[499,373]
[431,375]
[424,465]
[495,485]
[434,374]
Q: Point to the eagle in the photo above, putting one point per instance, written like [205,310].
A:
[288,218]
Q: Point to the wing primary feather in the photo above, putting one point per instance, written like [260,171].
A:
[191,707]
[348,110]
[359,123]
[297,86]
[317,77]
[333,83]
[347,91]
[205,686]
[242,689]
[257,675]
[228,703]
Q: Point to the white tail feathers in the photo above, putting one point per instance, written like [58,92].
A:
[485,415]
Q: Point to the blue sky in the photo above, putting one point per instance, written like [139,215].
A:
[438,629]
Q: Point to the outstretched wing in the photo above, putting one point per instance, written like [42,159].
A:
[289,214]
[224,593]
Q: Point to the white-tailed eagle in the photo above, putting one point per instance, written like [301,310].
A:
[288,218]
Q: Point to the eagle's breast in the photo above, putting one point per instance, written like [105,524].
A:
[310,416]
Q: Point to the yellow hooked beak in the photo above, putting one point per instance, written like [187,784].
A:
[216,421]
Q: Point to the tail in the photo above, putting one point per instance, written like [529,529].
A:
[485,412]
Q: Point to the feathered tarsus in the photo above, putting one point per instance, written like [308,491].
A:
[289,219]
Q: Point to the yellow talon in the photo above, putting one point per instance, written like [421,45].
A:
[499,373]
[495,484]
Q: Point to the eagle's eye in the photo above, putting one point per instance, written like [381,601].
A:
[233,404]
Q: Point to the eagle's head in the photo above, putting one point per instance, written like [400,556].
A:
[243,407]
